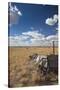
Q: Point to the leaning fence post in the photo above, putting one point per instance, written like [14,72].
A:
[53,48]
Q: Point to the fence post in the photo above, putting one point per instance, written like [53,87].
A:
[53,48]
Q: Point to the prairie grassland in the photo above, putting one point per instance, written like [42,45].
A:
[22,72]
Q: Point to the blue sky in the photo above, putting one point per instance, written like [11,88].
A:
[32,24]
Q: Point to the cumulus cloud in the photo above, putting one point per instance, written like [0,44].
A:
[52,21]
[52,38]
[13,13]
[45,41]
[32,38]
[18,40]
[34,34]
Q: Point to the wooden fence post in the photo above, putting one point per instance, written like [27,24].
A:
[53,48]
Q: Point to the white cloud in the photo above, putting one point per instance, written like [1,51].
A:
[18,40]
[34,34]
[16,9]
[51,21]
[52,38]
[32,38]
[14,14]
[40,42]
[19,13]
[47,41]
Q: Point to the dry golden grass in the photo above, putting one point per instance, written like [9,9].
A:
[21,71]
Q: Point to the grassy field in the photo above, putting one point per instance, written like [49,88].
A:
[22,71]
